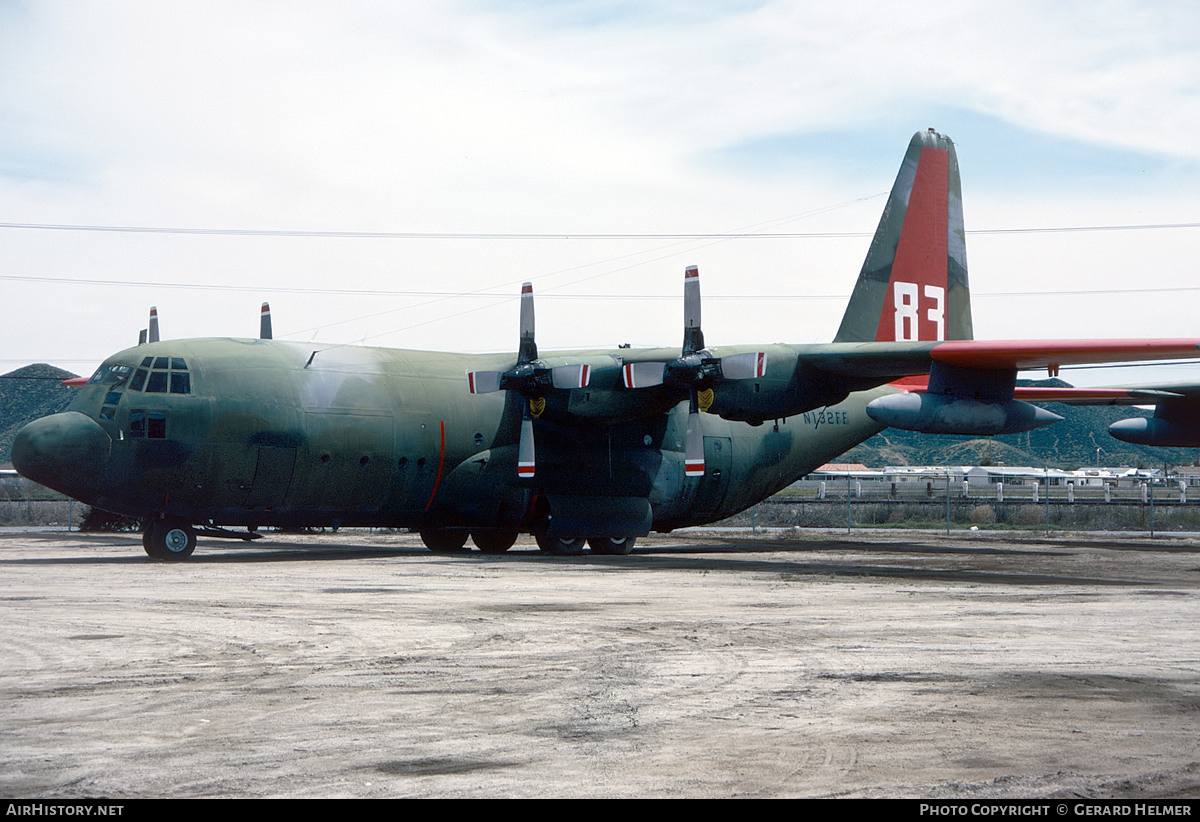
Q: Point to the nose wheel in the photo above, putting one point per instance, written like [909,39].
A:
[170,538]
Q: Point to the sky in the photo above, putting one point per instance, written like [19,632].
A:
[274,125]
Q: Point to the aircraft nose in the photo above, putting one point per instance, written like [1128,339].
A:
[66,452]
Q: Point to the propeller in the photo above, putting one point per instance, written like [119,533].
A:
[152,329]
[694,371]
[264,322]
[530,378]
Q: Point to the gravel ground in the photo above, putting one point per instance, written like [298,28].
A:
[704,665]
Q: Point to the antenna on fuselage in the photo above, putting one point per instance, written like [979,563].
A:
[152,330]
[264,323]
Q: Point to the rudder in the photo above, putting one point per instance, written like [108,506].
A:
[913,284]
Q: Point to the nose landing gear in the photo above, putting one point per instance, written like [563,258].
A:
[170,538]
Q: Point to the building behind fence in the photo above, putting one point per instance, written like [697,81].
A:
[852,495]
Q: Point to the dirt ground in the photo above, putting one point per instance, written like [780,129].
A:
[704,665]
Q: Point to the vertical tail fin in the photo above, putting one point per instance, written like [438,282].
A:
[913,284]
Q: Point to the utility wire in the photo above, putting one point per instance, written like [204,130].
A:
[462,235]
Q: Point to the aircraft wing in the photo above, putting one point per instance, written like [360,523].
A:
[1176,420]
[969,386]
[896,360]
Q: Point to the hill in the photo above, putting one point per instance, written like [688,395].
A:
[27,394]
[1071,443]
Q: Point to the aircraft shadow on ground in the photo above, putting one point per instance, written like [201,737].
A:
[699,556]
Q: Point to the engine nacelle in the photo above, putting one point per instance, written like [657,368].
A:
[1155,431]
[950,414]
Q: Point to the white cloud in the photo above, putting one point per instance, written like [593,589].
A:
[515,117]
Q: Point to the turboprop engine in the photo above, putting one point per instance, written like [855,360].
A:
[950,414]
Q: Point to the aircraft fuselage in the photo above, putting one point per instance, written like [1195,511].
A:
[258,432]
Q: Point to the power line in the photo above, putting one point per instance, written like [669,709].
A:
[548,295]
[456,235]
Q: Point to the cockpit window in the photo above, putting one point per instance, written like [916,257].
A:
[111,374]
[157,384]
[161,375]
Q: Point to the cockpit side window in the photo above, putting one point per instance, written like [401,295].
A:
[150,424]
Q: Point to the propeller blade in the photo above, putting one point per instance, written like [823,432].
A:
[693,337]
[527,352]
[152,330]
[693,450]
[525,456]
[264,322]
[744,366]
[643,374]
[570,376]
[484,382]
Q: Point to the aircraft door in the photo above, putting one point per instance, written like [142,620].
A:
[718,459]
[347,467]
[272,477]
[419,464]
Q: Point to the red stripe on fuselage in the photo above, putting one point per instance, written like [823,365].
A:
[441,463]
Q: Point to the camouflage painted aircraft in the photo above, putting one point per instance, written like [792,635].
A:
[574,447]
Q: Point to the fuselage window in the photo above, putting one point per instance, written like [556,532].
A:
[152,424]
[139,379]
[181,382]
[156,425]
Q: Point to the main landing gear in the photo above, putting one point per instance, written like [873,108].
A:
[169,538]
[452,541]
[608,546]
[448,541]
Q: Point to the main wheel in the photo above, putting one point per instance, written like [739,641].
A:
[561,547]
[611,546]
[170,538]
[444,540]
[494,542]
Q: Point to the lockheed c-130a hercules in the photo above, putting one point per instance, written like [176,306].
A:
[574,447]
